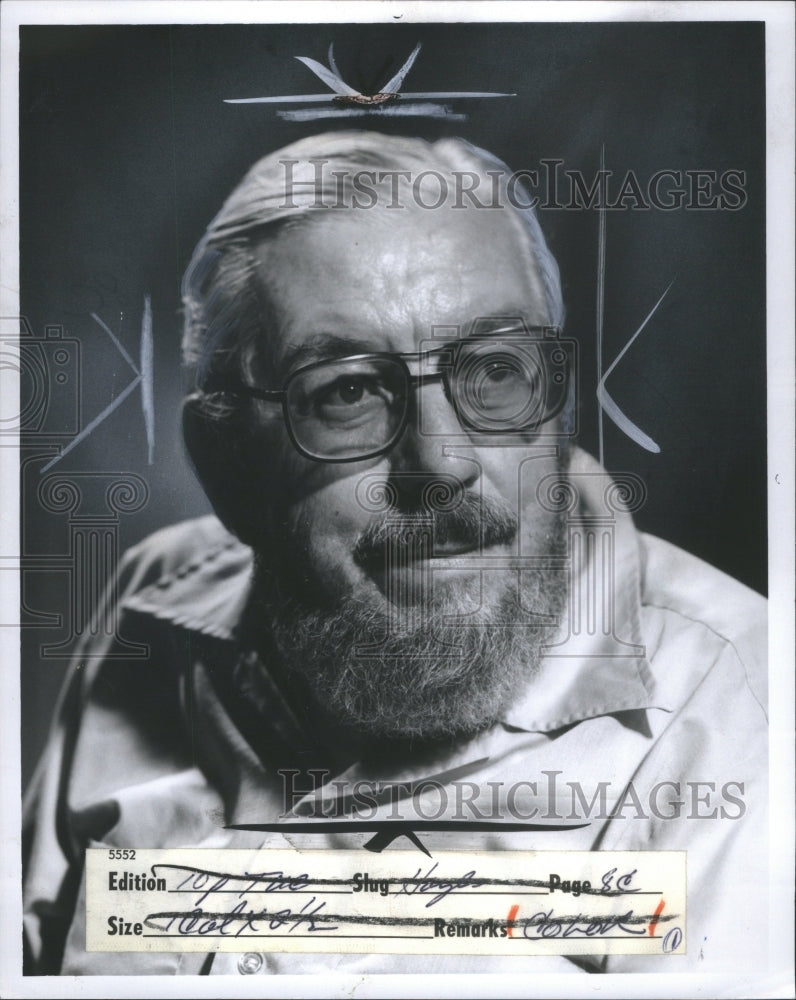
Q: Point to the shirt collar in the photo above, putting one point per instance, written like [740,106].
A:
[596,665]
[205,593]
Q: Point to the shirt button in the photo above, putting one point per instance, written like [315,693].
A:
[250,963]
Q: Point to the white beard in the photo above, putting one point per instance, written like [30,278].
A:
[429,678]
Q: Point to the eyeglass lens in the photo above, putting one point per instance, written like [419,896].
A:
[355,407]
[496,387]
[348,408]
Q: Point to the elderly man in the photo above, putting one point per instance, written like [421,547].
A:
[416,583]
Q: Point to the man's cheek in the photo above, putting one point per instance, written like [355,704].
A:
[305,483]
[325,529]
[515,474]
[290,474]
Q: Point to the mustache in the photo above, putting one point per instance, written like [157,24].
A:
[469,522]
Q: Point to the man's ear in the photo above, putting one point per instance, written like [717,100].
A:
[218,452]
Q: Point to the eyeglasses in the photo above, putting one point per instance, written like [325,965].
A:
[354,408]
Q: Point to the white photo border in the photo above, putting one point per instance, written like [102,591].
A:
[779,21]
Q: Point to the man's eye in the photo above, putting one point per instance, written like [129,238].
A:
[347,392]
[502,376]
[498,372]
[351,397]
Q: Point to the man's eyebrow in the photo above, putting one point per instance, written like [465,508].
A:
[321,346]
[484,327]
[508,320]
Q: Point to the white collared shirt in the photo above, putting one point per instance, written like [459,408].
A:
[652,694]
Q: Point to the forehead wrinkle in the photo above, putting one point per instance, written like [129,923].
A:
[321,346]
[287,335]
[385,279]
[414,290]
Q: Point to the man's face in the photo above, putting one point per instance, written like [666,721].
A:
[381,281]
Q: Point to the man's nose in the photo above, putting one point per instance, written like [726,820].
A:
[433,446]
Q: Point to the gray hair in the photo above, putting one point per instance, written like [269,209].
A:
[225,308]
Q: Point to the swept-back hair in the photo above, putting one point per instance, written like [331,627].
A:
[226,309]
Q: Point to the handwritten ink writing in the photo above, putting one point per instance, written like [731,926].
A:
[208,882]
[441,887]
[545,924]
[610,886]
[239,921]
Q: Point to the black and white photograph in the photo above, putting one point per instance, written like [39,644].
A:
[397,449]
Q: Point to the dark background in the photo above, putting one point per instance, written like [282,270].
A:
[127,150]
